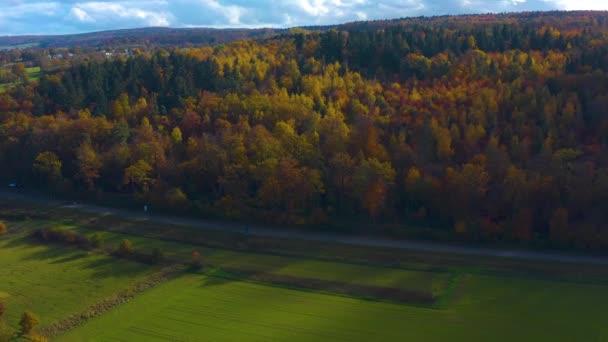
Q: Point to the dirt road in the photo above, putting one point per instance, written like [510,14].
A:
[256,230]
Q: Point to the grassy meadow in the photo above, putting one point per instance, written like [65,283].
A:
[19,46]
[33,73]
[199,308]
[281,266]
[255,294]
[53,281]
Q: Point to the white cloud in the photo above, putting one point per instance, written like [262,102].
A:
[71,16]
[96,11]
[361,15]
[81,15]
[313,7]
[19,9]
[231,13]
[320,12]
[575,5]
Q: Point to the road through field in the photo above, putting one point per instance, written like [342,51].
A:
[261,231]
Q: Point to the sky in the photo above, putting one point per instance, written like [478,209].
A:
[71,16]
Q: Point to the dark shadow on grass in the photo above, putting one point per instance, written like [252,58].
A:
[102,267]
[111,267]
[69,258]
[19,242]
[218,277]
[57,254]
[99,263]
[217,280]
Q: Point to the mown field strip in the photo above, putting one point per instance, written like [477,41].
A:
[193,307]
[201,308]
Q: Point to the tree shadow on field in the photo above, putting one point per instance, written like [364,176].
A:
[109,267]
[68,258]
[52,253]
[216,278]
[245,265]
[99,263]
[18,242]
[240,271]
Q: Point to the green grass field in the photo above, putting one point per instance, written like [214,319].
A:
[19,46]
[432,281]
[199,308]
[473,303]
[33,73]
[54,282]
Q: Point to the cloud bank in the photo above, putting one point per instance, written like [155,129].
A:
[69,16]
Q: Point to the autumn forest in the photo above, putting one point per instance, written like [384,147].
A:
[478,128]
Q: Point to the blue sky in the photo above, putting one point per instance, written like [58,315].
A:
[71,16]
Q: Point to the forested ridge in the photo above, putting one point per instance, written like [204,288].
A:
[488,127]
[148,36]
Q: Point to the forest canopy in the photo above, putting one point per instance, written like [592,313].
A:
[489,127]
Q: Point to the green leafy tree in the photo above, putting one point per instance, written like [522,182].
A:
[89,164]
[157,255]
[96,240]
[125,248]
[138,175]
[28,322]
[48,166]
[20,71]
[38,338]
[196,260]
[176,198]
[176,135]
[372,180]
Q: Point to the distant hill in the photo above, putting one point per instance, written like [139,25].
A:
[140,36]
[163,36]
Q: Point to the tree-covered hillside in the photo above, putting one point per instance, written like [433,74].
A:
[488,127]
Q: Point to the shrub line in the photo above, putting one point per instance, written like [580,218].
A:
[62,326]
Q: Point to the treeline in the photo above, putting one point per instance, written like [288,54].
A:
[488,131]
[95,241]
[17,73]
[139,37]
[27,323]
